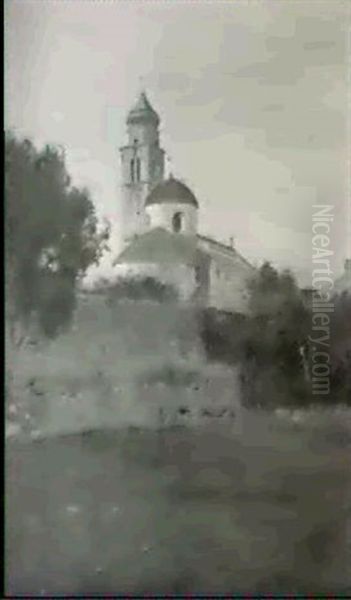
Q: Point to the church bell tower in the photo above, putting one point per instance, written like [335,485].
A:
[142,162]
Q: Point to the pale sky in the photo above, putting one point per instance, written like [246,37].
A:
[253,98]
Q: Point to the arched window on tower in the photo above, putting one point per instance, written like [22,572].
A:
[138,170]
[177,222]
[132,167]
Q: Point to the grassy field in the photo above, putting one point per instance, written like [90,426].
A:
[264,509]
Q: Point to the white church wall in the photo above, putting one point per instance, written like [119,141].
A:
[161,215]
[227,289]
[228,279]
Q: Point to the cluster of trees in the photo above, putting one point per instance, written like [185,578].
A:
[52,236]
[273,343]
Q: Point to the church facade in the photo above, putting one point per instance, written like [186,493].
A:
[159,219]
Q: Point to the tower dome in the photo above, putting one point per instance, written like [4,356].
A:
[142,112]
[171,205]
[171,191]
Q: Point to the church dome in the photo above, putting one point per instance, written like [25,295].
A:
[143,112]
[171,191]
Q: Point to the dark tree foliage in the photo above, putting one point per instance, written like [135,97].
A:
[51,235]
[275,368]
[341,348]
[272,332]
[279,322]
[143,288]
[273,343]
[267,342]
[222,334]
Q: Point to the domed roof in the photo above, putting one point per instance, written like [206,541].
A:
[171,191]
[142,111]
[160,246]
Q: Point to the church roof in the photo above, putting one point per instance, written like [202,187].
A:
[142,111]
[211,243]
[161,246]
[171,191]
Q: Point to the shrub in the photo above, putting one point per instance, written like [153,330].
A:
[146,288]
[222,334]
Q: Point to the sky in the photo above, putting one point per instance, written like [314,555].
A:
[253,96]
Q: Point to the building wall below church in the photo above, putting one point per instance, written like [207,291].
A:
[219,280]
[229,274]
[227,288]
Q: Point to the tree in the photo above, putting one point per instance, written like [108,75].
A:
[280,321]
[51,236]
[280,343]
[278,329]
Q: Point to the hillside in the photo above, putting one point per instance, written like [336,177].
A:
[134,364]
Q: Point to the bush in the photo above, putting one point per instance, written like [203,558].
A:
[222,335]
[146,288]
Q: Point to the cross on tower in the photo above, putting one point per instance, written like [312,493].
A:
[168,166]
[141,84]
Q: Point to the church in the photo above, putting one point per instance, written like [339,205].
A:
[159,217]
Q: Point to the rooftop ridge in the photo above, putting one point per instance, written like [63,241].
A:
[226,247]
